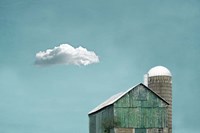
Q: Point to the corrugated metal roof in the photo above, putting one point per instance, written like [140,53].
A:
[116,97]
[108,102]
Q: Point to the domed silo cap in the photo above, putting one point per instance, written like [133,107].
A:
[159,71]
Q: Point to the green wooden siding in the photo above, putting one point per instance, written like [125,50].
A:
[102,121]
[92,122]
[135,98]
[140,108]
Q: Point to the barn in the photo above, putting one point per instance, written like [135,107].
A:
[144,108]
[137,110]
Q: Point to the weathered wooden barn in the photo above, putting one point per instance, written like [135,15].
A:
[138,110]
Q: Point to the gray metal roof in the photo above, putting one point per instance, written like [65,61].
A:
[108,102]
[116,97]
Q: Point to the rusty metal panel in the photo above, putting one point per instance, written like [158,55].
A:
[157,130]
[124,130]
[140,130]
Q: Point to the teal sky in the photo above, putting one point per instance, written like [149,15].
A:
[129,36]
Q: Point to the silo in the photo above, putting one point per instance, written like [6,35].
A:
[159,79]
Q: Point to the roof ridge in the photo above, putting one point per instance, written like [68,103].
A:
[117,96]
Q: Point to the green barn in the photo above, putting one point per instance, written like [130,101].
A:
[138,110]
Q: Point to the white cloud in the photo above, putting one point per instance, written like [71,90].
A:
[66,54]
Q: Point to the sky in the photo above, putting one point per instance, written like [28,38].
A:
[120,40]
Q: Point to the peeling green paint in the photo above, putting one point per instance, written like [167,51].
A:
[139,108]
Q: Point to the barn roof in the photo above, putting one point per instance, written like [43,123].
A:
[116,97]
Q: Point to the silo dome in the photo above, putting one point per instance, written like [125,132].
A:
[159,71]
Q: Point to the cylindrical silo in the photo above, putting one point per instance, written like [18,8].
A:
[160,81]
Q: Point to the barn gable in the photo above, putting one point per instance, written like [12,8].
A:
[140,96]
[140,107]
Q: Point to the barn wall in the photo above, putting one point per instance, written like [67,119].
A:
[101,121]
[92,123]
[140,108]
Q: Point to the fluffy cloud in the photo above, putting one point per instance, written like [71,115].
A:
[66,54]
